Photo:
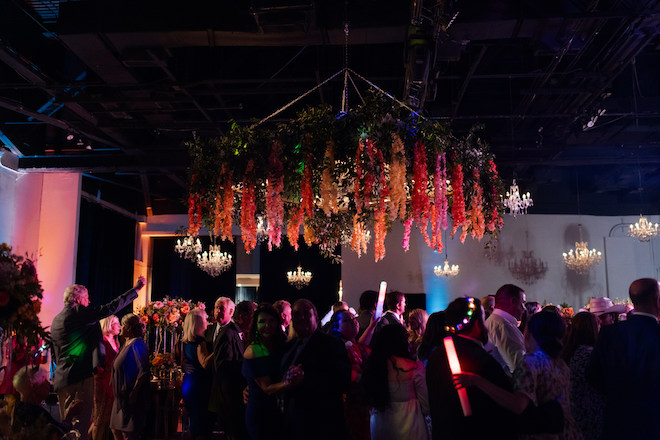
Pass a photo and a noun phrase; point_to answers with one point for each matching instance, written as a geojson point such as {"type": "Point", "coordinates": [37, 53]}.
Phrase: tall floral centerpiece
{"type": "Point", "coordinates": [165, 318]}
{"type": "Point", "coordinates": [20, 303]}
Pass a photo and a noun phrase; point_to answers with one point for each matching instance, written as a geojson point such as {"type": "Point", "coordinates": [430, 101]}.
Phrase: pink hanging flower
{"type": "Point", "coordinates": [248, 210]}
{"type": "Point", "coordinates": [421, 204]}
{"type": "Point", "coordinates": [274, 201]}
{"type": "Point", "coordinates": [406, 233]}
{"type": "Point", "coordinates": [458, 204]}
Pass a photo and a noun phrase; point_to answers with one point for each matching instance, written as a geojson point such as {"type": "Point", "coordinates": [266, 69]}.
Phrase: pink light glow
{"type": "Point", "coordinates": [455, 367]}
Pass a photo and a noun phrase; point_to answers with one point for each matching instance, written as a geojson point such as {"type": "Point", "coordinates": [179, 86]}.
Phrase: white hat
{"type": "Point", "coordinates": [599, 306]}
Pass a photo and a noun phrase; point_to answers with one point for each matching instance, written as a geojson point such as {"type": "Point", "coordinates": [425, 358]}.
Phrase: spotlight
{"type": "Point", "coordinates": [69, 137]}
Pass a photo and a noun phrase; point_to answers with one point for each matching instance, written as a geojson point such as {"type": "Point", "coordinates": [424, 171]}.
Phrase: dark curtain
{"type": "Point", "coordinates": [177, 277]}
{"type": "Point", "coordinates": [106, 246]}
{"type": "Point", "coordinates": [323, 288]}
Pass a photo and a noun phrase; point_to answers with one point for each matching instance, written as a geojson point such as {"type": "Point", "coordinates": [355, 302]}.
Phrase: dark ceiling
{"type": "Point", "coordinates": [113, 88]}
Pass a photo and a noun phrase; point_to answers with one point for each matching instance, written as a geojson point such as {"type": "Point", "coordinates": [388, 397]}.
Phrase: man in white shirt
{"type": "Point", "coordinates": [502, 325]}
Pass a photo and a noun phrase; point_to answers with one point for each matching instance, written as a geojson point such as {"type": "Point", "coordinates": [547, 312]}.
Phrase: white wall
{"type": "Point", "coordinates": [624, 260]}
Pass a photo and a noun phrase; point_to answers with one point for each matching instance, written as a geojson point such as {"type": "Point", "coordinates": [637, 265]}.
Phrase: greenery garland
{"type": "Point", "coordinates": [303, 143]}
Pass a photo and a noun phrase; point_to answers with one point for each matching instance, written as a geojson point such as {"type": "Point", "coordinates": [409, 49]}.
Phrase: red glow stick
{"type": "Point", "coordinates": [455, 367]}
{"type": "Point", "coordinates": [381, 299]}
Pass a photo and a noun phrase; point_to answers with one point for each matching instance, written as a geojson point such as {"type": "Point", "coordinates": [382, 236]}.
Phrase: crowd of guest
{"type": "Point", "coordinates": [273, 371]}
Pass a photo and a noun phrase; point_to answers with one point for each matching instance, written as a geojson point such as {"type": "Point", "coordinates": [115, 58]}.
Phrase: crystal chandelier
{"type": "Point", "coordinates": [527, 268]}
{"type": "Point", "coordinates": [189, 247]}
{"type": "Point", "coordinates": [582, 259]}
{"type": "Point", "coordinates": [446, 270]}
{"type": "Point", "coordinates": [643, 230]}
{"type": "Point", "coordinates": [299, 278]}
{"type": "Point", "coordinates": [515, 203]}
{"type": "Point", "coordinates": [214, 262]}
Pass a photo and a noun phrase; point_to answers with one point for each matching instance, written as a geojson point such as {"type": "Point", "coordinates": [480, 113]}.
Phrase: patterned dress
{"type": "Point", "coordinates": [543, 379]}
{"type": "Point", "coordinates": [587, 404]}
{"type": "Point", "coordinates": [103, 395]}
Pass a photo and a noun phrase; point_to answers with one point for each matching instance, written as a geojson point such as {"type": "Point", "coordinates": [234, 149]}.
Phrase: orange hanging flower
{"type": "Point", "coordinates": [358, 177]}
{"type": "Point", "coordinates": [421, 205]}
{"type": "Point", "coordinates": [358, 239]}
{"type": "Point", "coordinates": [293, 228]}
{"type": "Point", "coordinates": [329, 191]}
{"type": "Point", "coordinates": [476, 208]}
{"type": "Point", "coordinates": [397, 179]}
{"type": "Point", "coordinates": [380, 232]}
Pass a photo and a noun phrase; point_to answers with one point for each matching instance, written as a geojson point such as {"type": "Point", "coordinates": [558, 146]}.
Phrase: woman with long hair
{"type": "Point", "coordinates": [587, 404]}
{"type": "Point", "coordinates": [542, 376]}
{"type": "Point", "coordinates": [433, 335]}
{"type": "Point", "coordinates": [261, 362]}
{"type": "Point", "coordinates": [130, 382]}
{"type": "Point", "coordinates": [103, 396]}
{"type": "Point", "coordinates": [196, 387]}
{"type": "Point", "coordinates": [417, 319]}
{"type": "Point", "coordinates": [395, 386]}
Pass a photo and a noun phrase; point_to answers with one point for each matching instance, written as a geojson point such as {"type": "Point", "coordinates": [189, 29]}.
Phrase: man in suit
{"type": "Point", "coordinates": [624, 367]}
{"type": "Point", "coordinates": [313, 409]}
{"type": "Point", "coordinates": [465, 319]}
{"type": "Point", "coordinates": [227, 337]}
{"type": "Point", "coordinates": [76, 333]}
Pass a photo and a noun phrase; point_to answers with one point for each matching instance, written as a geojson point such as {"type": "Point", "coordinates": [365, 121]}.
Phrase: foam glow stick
{"type": "Point", "coordinates": [455, 367]}
{"type": "Point", "coordinates": [381, 299]}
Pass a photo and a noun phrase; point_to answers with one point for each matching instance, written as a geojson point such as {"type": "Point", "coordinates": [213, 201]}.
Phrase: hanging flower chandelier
{"type": "Point", "coordinates": [582, 259]}
{"type": "Point", "coordinates": [299, 279]}
{"type": "Point", "coordinates": [188, 248]}
{"type": "Point", "coordinates": [643, 230]}
{"type": "Point", "coordinates": [516, 204]}
{"type": "Point", "coordinates": [214, 262]}
{"type": "Point", "coordinates": [446, 270]}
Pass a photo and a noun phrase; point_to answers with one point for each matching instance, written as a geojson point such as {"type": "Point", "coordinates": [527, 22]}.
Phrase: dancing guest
{"type": "Point", "coordinates": [76, 333]}
{"type": "Point", "coordinates": [541, 377]}
{"type": "Point", "coordinates": [395, 387]}
{"type": "Point", "coordinates": [261, 363]}
{"type": "Point", "coordinates": [314, 408]}
{"type": "Point", "coordinates": [433, 335]}
{"type": "Point", "coordinates": [502, 325]}
{"type": "Point", "coordinates": [586, 403]}
{"type": "Point", "coordinates": [345, 327]}
{"type": "Point", "coordinates": [196, 387]}
{"type": "Point", "coordinates": [103, 397]}
{"type": "Point", "coordinates": [464, 321]}
{"type": "Point", "coordinates": [130, 382]}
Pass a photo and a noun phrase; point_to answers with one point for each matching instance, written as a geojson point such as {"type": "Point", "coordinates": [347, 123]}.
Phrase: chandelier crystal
{"type": "Point", "coordinates": [188, 248]}
{"type": "Point", "coordinates": [214, 262]}
{"type": "Point", "coordinates": [516, 204]}
{"type": "Point", "coordinates": [643, 230]}
{"type": "Point", "coordinates": [299, 279]}
{"type": "Point", "coordinates": [446, 270]}
{"type": "Point", "coordinates": [527, 268]}
{"type": "Point", "coordinates": [582, 259]}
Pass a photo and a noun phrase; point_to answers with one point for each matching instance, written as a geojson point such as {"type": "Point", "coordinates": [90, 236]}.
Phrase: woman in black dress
{"type": "Point", "coordinates": [196, 388]}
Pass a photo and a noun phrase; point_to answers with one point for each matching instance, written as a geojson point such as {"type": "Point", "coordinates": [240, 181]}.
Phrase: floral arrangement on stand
{"type": "Point", "coordinates": [165, 319]}
{"type": "Point", "coordinates": [163, 365]}
{"type": "Point", "coordinates": [340, 177]}
{"type": "Point", "coordinates": [20, 300]}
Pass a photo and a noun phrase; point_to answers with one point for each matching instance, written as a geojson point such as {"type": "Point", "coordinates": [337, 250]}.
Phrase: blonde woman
{"type": "Point", "coordinates": [416, 327]}
{"type": "Point", "coordinates": [103, 395]}
{"type": "Point", "coordinates": [197, 375]}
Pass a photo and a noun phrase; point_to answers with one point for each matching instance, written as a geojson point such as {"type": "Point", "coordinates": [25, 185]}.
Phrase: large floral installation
{"type": "Point", "coordinates": [338, 176]}
{"type": "Point", "coordinates": [20, 299]}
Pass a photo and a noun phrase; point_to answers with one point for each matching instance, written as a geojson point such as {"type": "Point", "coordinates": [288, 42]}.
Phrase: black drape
{"type": "Point", "coordinates": [177, 277]}
{"type": "Point", "coordinates": [106, 246]}
{"type": "Point", "coordinates": [323, 288]}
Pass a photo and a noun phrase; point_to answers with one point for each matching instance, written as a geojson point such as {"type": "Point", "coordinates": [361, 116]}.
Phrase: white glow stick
{"type": "Point", "coordinates": [381, 299]}
{"type": "Point", "coordinates": [455, 367]}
